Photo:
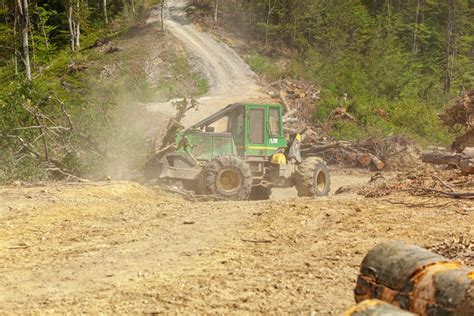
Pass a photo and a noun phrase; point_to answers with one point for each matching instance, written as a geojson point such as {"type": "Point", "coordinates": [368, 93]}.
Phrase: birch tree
{"type": "Point", "coordinates": [270, 7]}
{"type": "Point", "coordinates": [104, 10]}
{"type": "Point", "coordinates": [25, 22]}
{"type": "Point", "coordinates": [163, 4]}
{"type": "Point", "coordinates": [74, 22]}
{"type": "Point", "coordinates": [448, 40]}
{"type": "Point", "coordinates": [416, 28]}
{"type": "Point", "coordinates": [216, 9]}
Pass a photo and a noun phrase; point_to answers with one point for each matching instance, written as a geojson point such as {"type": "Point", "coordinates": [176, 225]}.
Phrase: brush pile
{"type": "Point", "coordinates": [298, 97]}
{"type": "Point", "coordinates": [394, 152]}
{"type": "Point", "coordinates": [300, 100]}
{"type": "Point", "coordinates": [439, 183]}
{"type": "Point", "coordinates": [461, 114]}
{"type": "Point", "coordinates": [460, 248]}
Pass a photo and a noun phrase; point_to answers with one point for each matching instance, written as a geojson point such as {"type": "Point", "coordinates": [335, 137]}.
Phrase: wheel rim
{"type": "Point", "coordinates": [320, 181]}
{"type": "Point", "coordinates": [229, 180]}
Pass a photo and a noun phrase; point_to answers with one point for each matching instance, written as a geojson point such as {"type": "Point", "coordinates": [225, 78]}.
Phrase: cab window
{"type": "Point", "coordinates": [256, 127]}
{"type": "Point", "coordinates": [274, 122]}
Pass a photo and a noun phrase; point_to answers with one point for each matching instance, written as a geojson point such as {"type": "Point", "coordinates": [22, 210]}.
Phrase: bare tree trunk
{"type": "Point", "coordinates": [15, 53]}
{"type": "Point", "coordinates": [106, 17]}
{"type": "Point", "coordinates": [78, 25]}
{"type": "Point", "coordinates": [449, 35]}
{"type": "Point", "coordinates": [23, 8]}
{"type": "Point", "coordinates": [269, 13]}
{"type": "Point", "coordinates": [163, 15]}
{"type": "Point", "coordinates": [70, 19]}
{"type": "Point", "coordinates": [415, 31]}
{"type": "Point", "coordinates": [216, 10]}
{"type": "Point", "coordinates": [74, 21]}
{"type": "Point", "coordinates": [133, 6]}
{"type": "Point", "coordinates": [32, 51]}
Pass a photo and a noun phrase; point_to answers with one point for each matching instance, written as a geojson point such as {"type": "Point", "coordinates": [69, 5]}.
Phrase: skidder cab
{"type": "Point", "coordinates": [241, 152]}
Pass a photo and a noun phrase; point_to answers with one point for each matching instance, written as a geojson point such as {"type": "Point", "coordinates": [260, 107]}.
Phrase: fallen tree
{"type": "Point", "coordinates": [463, 161]}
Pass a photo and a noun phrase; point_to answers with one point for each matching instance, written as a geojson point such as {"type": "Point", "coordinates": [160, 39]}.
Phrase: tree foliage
{"type": "Point", "coordinates": [395, 55]}
{"type": "Point", "coordinates": [44, 119]}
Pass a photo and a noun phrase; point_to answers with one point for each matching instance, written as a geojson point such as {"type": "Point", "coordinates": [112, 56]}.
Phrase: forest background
{"type": "Point", "coordinates": [393, 64]}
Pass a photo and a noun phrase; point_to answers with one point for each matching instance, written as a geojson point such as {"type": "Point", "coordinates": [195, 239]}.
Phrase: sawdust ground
{"type": "Point", "coordinates": [122, 248]}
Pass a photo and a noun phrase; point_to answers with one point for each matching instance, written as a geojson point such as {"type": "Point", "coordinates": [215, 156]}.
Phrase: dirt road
{"type": "Point", "coordinates": [230, 78]}
{"type": "Point", "coordinates": [123, 248]}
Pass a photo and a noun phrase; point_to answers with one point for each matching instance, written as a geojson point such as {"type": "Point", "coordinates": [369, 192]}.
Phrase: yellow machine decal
{"type": "Point", "coordinates": [279, 159]}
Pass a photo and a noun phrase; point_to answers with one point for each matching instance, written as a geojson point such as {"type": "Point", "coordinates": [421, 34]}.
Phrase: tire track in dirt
{"type": "Point", "coordinates": [62, 244]}
{"type": "Point", "coordinates": [120, 248]}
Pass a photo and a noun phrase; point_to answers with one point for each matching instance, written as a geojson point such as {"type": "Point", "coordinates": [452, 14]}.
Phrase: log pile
{"type": "Point", "coordinates": [464, 161]}
{"type": "Point", "coordinates": [341, 152]}
{"type": "Point", "coordinates": [416, 280]}
{"type": "Point", "coordinates": [394, 153]}
{"type": "Point", "coordinates": [440, 183]}
{"type": "Point", "coordinates": [300, 101]}
{"type": "Point", "coordinates": [461, 113]}
{"type": "Point", "coordinates": [298, 97]}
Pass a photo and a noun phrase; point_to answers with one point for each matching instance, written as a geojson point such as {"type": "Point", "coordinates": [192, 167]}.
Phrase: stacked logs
{"type": "Point", "coordinates": [416, 280]}
{"type": "Point", "coordinates": [298, 97]}
{"type": "Point", "coordinates": [342, 152]}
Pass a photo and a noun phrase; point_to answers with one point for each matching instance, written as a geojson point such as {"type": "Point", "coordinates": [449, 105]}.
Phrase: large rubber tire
{"type": "Point", "coordinates": [312, 178]}
{"type": "Point", "coordinates": [260, 193]}
{"type": "Point", "coordinates": [228, 177]}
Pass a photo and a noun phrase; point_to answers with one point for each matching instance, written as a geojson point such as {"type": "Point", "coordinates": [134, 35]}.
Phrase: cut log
{"type": "Point", "coordinates": [461, 113]}
{"type": "Point", "coordinates": [468, 152]}
{"type": "Point", "coordinates": [379, 164]}
{"type": "Point", "coordinates": [364, 160]}
{"type": "Point", "coordinates": [287, 120]}
{"type": "Point", "coordinates": [375, 308]}
{"type": "Point", "coordinates": [284, 102]}
{"type": "Point", "coordinates": [417, 280]}
{"type": "Point", "coordinates": [441, 158]}
{"type": "Point", "coordinates": [290, 113]}
{"type": "Point", "coordinates": [467, 166]}
{"type": "Point", "coordinates": [465, 160]}
{"type": "Point", "coordinates": [349, 156]}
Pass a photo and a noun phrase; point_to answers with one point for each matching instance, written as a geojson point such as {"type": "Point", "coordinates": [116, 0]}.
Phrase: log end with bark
{"type": "Point", "coordinates": [376, 308]}
{"type": "Point", "coordinates": [416, 280]}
